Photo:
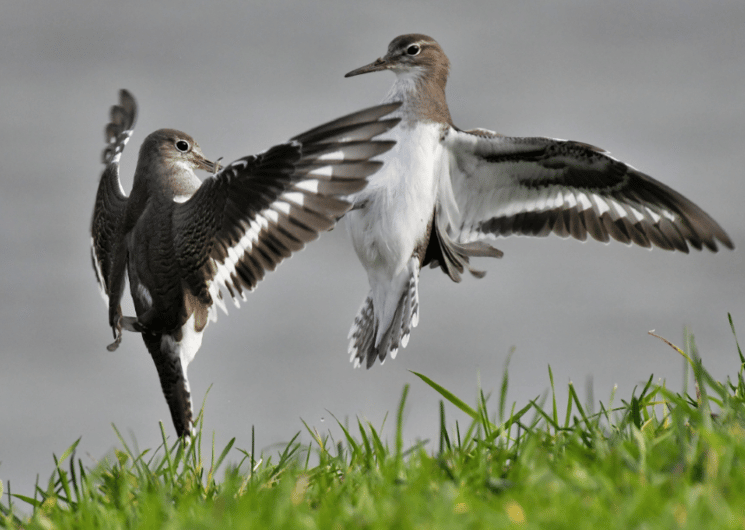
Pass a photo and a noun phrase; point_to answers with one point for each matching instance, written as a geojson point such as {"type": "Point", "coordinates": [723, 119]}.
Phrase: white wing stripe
{"type": "Point", "coordinates": [651, 213]}
{"type": "Point", "coordinates": [670, 215]}
{"type": "Point", "coordinates": [570, 199]}
{"type": "Point", "coordinates": [525, 200]}
{"type": "Point", "coordinates": [295, 197]}
{"type": "Point", "coordinates": [99, 274]}
{"type": "Point", "coordinates": [639, 216]}
{"type": "Point", "coordinates": [601, 204]}
{"type": "Point", "coordinates": [333, 155]}
{"type": "Point", "coordinates": [281, 206]}
{"type": "Point", "coordinates": [584, 201]}
{"type": "Point", "coordinates": [270, 217]}
{"type": "Point", "coordinates": [216, 298]}
{"type": "Point", "coordinates": [310, 185]}
{"type": "Point", "coordinates": [233, 255]}
{"type": "Point", "coordinates": [618, 209]}
{"type": "Point", "coordinates": [325, 171]}
{"type": "Point", "coordinates": [542, 199]}
{"type": "Point", "coordinates": [251, 236]}
{"type": "Point", "coordinates": [556, 202]}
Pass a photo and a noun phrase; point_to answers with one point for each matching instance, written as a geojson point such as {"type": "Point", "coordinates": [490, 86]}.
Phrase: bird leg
{"type": "Point", "coordinates": [130, 324]}
{"type": "Point", "coordinates": [117, 329]}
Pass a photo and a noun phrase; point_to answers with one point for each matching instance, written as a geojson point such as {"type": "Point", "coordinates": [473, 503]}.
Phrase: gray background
{"type": "Point", "coordinates": [658, 84]}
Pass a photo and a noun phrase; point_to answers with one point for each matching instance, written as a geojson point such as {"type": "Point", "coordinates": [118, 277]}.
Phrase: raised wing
{"type": "Point", "coordinates": [110, 198]}
{"type": "Point", "coordinates": [538, 186]}
{"type": "Point", "coordinates": [260, 209]}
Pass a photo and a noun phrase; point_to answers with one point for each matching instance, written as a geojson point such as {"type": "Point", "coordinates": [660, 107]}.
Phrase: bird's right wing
{"type": "Point", "coordinates": [107, 252]}
{"type": "Point", "coordinates": [260, 209]}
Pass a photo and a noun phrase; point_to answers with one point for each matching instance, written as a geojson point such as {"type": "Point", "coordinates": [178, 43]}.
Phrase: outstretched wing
{"type": "Point", "coordinates": [538, 186]}
{"type": "Point", "coordinates": [110, 198]}
{"type": "Point", "coordinates": [260, 209]}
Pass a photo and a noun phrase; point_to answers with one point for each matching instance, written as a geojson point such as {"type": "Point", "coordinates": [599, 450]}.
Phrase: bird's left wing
{"type": "Point", "coordinates": [260, 209]}
{"type": "Point", "coordinates": [538, 186]}
{"type": "Point", "coordinates": [107, 246]}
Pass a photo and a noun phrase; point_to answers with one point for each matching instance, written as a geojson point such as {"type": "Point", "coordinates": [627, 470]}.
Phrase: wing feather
{"type": "Point", "coordinates": [110, 198]}
{"type": "Point", "coordinates": [537, 186]}
{"type": "Point", "coordinates": [259, 210]}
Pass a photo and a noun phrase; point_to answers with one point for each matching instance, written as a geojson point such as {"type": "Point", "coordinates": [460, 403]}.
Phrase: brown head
{"type": "Point", "coordinates": [419, 58]}
{"type": "Point", "coordinates": [166, 156]}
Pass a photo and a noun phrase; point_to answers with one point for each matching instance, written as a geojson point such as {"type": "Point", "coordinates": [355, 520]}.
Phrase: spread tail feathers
{"type": "Point", "coordinates": [362, 344]}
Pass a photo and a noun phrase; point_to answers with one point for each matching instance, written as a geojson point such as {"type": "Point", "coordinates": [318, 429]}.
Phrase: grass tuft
{"type": "Point", "coordinates": [657, 459]}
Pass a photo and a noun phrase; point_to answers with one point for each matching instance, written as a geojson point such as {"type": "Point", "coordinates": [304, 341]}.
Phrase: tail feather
{"type": "Point", "coordinates": [362, 346]}
{"type": "Point", "coordinates": [411, 317]}
{"type": "Point", "coordinates": [362, 333]}
{"type": "Point", "coordinates": [173, 380]}
{"type": "Point", "coordinates": [391, 339]}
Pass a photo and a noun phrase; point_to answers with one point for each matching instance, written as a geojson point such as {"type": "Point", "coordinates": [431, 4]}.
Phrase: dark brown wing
{"type": "Point", "coordinates": [110, 198]}
{"type": "Point", "coordinates": [260, 209]}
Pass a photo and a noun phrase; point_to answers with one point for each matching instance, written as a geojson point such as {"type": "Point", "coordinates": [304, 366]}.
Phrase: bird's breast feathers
{"type": "Point", "coordinates": [398, 203]}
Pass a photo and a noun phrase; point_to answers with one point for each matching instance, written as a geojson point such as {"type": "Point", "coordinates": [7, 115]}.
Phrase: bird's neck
{"type": "Point", "coordinates": [423, 95]}
{"type": "Point", "coordinates": [164, 179]}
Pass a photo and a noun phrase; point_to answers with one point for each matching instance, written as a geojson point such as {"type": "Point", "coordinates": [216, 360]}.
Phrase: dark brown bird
{"type": "Point", "coordinates": [182, 241]}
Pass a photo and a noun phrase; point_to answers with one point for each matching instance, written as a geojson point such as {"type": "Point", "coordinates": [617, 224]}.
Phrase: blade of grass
{"type": "Point", "coordinates": [400, 424]}
{"type": "Point", "coordinates": [452, 398]}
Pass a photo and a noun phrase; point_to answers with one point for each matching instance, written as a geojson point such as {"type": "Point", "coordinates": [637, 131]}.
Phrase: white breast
{"type": "Point", "coordinates": [398, 202]}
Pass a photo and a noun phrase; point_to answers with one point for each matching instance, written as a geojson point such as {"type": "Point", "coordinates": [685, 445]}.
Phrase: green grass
{"type": "Point", "coordinates": [658, 459]}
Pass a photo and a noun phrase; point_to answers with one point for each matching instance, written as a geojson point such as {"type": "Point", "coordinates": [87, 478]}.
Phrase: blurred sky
{"type": "Point", "coordinates": [659, 84]}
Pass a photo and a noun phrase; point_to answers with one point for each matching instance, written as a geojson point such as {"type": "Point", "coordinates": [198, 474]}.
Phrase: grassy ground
{"type": "Point", "coordinates": [658, 459]}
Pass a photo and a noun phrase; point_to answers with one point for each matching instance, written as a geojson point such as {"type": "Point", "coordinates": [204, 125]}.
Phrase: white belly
{"type": "Point", "coordinates": [398, 202]}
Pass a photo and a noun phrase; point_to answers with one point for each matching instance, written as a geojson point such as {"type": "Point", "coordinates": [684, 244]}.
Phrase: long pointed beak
{"type": "Point", "coordinates": [375, 66]}
{"type": "Point", "coordinates": [207, 165]}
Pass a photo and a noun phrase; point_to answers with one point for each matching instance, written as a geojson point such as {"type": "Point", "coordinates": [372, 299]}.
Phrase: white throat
{"type": "Point", "coordinates": [405, 87]}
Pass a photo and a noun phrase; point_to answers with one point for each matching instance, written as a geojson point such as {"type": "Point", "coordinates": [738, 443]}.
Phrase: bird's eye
{"type": "Point", "coordinates": [182, 145]}
{"type": "Point", "coordinates": [413, 49]}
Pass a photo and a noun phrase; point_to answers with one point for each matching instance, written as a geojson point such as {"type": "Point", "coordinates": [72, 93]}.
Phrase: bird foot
{"type": "Point", "coordinates": [128, 323]}
{"type": "Point", "coordinates": [114, 345]}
